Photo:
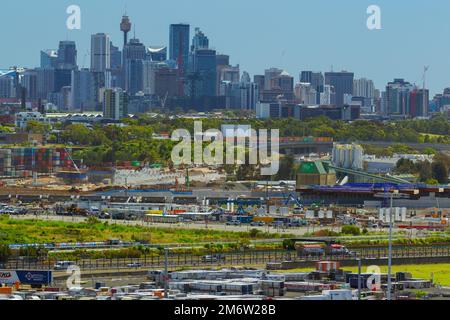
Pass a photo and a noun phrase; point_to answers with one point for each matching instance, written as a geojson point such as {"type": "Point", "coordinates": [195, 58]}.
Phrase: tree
{"type": "Point", "coordinates": [424, 169]}
{"type": "Point", "coordinates": [405, 166]}
{"type": "Point", "coordinates": [37, 127]}
{"type": "Point", "coordinates": [351, 230]}
{"type": "Point", "coordinates": [5, 253]}
{"type": "Point", "coordinates": [440, 172]}
{"type": "Point", "coordinates": [286, 171]}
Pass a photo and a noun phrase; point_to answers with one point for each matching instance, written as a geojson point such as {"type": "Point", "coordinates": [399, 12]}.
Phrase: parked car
{"type": "Point", "coordinates": [63, 265]}
{"type": "Point", "coordinates": [134, 265]}
{"type": "Point", "coordinates": [213, 258]}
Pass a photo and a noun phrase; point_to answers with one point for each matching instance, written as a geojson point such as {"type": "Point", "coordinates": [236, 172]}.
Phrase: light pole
{"type": "Point", "coordinates": [166, 272]}
{"type": "Point", "coordinates": [359, 278]}
{"type": "Point", "coordinates": [389, 297]}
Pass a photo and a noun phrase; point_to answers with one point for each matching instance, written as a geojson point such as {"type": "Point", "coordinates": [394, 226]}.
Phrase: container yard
{"type": "Point", "coordinates": [328, 282]}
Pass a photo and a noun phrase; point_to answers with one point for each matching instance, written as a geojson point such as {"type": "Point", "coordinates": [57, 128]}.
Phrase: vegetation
{"type": "Point", "coordinates": [38, 231]}
{"type": "Point", "coordinates": [399, 242]}
{"type": "Point", "coordinates": [435, 172]}
{"type": "Point", "coordinates": [135, 141]}
{"type": "Point", "coordinates": [5, 253]}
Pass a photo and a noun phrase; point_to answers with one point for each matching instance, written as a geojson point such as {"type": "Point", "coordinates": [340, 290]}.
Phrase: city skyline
{"type": "Point", "coordinates": [263, 50]}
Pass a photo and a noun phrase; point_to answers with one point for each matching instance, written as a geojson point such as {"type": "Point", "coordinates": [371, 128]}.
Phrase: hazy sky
{"type": "Point", "coordinates": [291, 34]}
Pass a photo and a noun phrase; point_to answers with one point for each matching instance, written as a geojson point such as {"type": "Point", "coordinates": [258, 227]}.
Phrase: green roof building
{"type": "Point", "coordinates": [315, 173]}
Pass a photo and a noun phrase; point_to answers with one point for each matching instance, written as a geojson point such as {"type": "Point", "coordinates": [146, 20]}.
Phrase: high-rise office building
{"type": "Point", "coordinates": [45, 82]}
{"type": "Point", "coordinates": [49, 58]}
{"type": "Point", "coordinates": [157, 53]}
{"type": "Point", "coordinates": [342, 83]}
{"type": "Point", "coordinates": [363, 88]}
{"type": "Point", "coordinates": [63, 78]}
{"type": "Point", "coordinates": [179, 45]}
{"type": "Point", "coordinates": [100, 52]}
{"type": "Point", "coordinates": [269, 75]}
{"type": "Point", "coordinates": [305, 94]}
{"type": "Point", "coordinates": [67, 55]}
{"type": "Point", "coordinates": [249, 93]}
{"type": "Point", "coordinates": [200, 41]}
{"type": "Point", "coordinates": [134, 53]}
{"type": "Point", "coordinates": [203, 66]}
{"type": "Point", "coordinates": [29, 83]}
{"type": "Point", "coordinates": [417, 107]}
{"type": "Point", "coordinates": [116, 57]}
{"type": "Point", "coordinates": [7, 86]}
{"type": "Point", "coordinates": [398, 97]}
{"type": "Point", "coordinates": [316, 80]}
{"type": "Point", "coordinates": [134, 76]}
{"type": "Point", "coordinates": [115, 104]}
{"type": "Point", "coordinates": [83, 94]}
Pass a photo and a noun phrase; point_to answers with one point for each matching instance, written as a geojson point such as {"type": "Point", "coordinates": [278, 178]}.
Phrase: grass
{"type": "Point", "coordinates": [38, 231]}
{"type": "Point", "coordinates": [441, 272]}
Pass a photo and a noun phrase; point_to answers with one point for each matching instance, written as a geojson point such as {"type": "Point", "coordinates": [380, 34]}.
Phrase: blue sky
{"type": "Point", "coordinates": [291, 34]}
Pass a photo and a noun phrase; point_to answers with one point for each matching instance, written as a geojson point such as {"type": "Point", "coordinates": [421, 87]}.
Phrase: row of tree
{"type": "Point", "coordinates": [435, 172]}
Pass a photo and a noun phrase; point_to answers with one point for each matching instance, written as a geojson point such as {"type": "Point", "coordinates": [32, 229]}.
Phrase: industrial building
{"type": "Point", "coordinates": [315, 173]}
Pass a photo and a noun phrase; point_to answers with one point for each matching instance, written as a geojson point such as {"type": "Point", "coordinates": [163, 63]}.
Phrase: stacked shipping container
{"type": "Point", "coordinates": [21, 162]}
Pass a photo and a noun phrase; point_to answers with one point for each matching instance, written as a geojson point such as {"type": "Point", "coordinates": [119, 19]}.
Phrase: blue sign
{"type": "Point", "coordinates": [31, 277]}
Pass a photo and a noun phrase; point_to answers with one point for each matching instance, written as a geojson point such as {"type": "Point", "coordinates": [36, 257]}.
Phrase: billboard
{"type": "Point", "coordinates": [31, 277]}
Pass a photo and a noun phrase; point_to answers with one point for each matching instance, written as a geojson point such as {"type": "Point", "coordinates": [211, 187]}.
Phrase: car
{"type": "Point", "coordinates": [257, 224]}
{"type": "Point", "coordinates": [134, 265]}
{"type": "Point", "coordinates": [63, 265]}
{"type": "Point", "coordinates": [213, 258]}
{"type": "Point", "coordinates": [233, 223]}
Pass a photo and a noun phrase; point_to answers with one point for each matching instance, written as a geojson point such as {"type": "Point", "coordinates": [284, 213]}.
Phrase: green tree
{"type": "Point", "coordinates": [351, 230]}
{"type": "Point", "coordinates": [440, 172]}
{"type": "Point", "coordinates": [5, 253]}
{"type": "Point", "coordinates": [424, 170]}
{"type": "Point", "coordinates": [286, 171]}
{"type": "Point", "coordinates": [37, 127]}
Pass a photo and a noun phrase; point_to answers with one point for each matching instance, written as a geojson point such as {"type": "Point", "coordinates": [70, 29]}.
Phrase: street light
{"type": "Point", "coordinates": [389, 296]}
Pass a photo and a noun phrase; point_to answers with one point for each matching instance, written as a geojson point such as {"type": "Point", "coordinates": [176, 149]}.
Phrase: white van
{"type": "Point", "coordinates": [63, 265]}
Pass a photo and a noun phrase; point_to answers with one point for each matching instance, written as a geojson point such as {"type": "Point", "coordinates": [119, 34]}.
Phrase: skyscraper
{"type": "Point", "coordinates": [417, 107]}
{"type": "Point", "coordinates": [67, 55]}
{"type": "Point", "coordinates": [316, 80]}
{"type": "Point", "coordinates": [134, 53]}
{"type": "Point", "coordinates": [200, 41]}
{"type": "Point", "coordinates": [157, 53]}
{"type": "Point", "coordinates": [398, 97]}
{"type": "Point", "coordinates": [100, 52]}
{"type": "Point", "coordinates": [83, 93]}
{"type": "Point", "coordinates": [342, 83]}
{"type": "Point", "coordinates": [6, 86]}
{"type": "Point", "coordinates": [179, 45]}
{"type": "Point", "coordinates": [363, 88]}
{"type": "Point", "coordinates": [203, 67]}
{"type": "Point", "coordinates": [29, 82]}
{"type": "Point", "coordinates": [115, 104]}
{"type": "Point", "coordinates": [45, 82]}
{"type": "Point", "coordinates": [116, 57]}
{"type": "Point", "coordinates": [269, 75]}
{"type": "Point", "coordinates": [49, 58]}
